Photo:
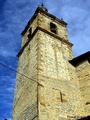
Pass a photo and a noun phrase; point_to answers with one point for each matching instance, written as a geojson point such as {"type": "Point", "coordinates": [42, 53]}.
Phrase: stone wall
{"type": "Point", "coordinates": [25, 101]}
{"type": "Point", "coordinates": [25, 36]}
{"type": "Point", "coordinates": [48, 87]}
{"type": "Point", "coordinates": [44, 21]}
{"type": "Point", "coordinates": [83, 73]}
{"type": "Point", "coordinates": [59, 94]}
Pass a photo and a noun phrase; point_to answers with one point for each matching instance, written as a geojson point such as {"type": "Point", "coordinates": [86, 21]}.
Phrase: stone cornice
{"type": "Point", "coordinates": [40, 10]}
{"type": "Point", "coordinates": [47, 32]}
{"type": "Point", "coordinates": [20, 52]}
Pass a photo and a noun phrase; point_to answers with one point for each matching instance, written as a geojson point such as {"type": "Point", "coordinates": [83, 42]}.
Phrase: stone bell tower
{"type": "Point", "coordinates": [46, 83]}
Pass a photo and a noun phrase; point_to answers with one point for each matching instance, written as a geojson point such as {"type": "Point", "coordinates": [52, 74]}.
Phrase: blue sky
{"type": "Point", "coordinates": [14, 15]}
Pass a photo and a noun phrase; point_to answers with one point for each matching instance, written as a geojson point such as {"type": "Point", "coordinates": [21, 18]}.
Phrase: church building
{"type": "Point", "coordinates": [51, 84]}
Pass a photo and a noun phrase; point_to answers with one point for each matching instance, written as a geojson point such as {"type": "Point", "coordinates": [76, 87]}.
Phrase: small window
{"type": "Point", "coordinates": [29, 32]}
{"type": "Point", "coordinates": [63, 97]}
{"type": "Point", "coordinates": [53, 28]}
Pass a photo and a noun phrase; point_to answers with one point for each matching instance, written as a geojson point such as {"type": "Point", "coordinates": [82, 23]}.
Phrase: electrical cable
{"type": "Point", "coordinates": [18, 72]}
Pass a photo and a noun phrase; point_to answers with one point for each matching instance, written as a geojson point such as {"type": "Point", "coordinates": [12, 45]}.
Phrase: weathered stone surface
{"type": "Point", "coordinates": [26, 89]}
{"type": "Point", "coordinates": [51, 88]}
{"type": "Point", "coordinates": [83, 73]}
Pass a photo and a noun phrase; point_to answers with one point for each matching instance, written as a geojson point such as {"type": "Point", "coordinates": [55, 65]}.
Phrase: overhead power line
{"type": "Point", "coordinates": [19, 73]}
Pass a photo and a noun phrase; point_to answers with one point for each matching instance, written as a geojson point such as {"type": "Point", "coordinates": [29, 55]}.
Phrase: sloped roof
{"type": "Point", "coordinates": [81, 58]}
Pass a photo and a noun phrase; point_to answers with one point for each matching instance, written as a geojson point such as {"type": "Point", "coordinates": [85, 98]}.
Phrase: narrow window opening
{"type": "Point", "coordinates": [63, 97]}
{"type": "Point", "coordinates": [29, 32]}
{"type": "Point", "coordinates": [53, 28]}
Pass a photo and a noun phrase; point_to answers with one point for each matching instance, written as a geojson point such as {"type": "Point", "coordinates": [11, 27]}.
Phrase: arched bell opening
{"type": "Point", "coordinates": [53, 28]}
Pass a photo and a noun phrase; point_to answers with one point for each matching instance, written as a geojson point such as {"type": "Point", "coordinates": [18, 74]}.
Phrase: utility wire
{"type": "Point", "coordinates": [18, 72]}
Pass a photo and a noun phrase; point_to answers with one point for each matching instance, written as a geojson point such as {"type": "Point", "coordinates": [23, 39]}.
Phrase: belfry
{"type": "Point", "coordinates": [52, 84]}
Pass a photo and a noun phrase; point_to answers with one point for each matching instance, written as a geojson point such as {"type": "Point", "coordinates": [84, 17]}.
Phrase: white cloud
{"type": "Point", "coordinates": [5, 53]}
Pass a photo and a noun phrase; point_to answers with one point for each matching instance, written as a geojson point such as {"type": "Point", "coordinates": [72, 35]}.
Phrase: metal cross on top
{"type": "Point", "coordinates": [42, 5]}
